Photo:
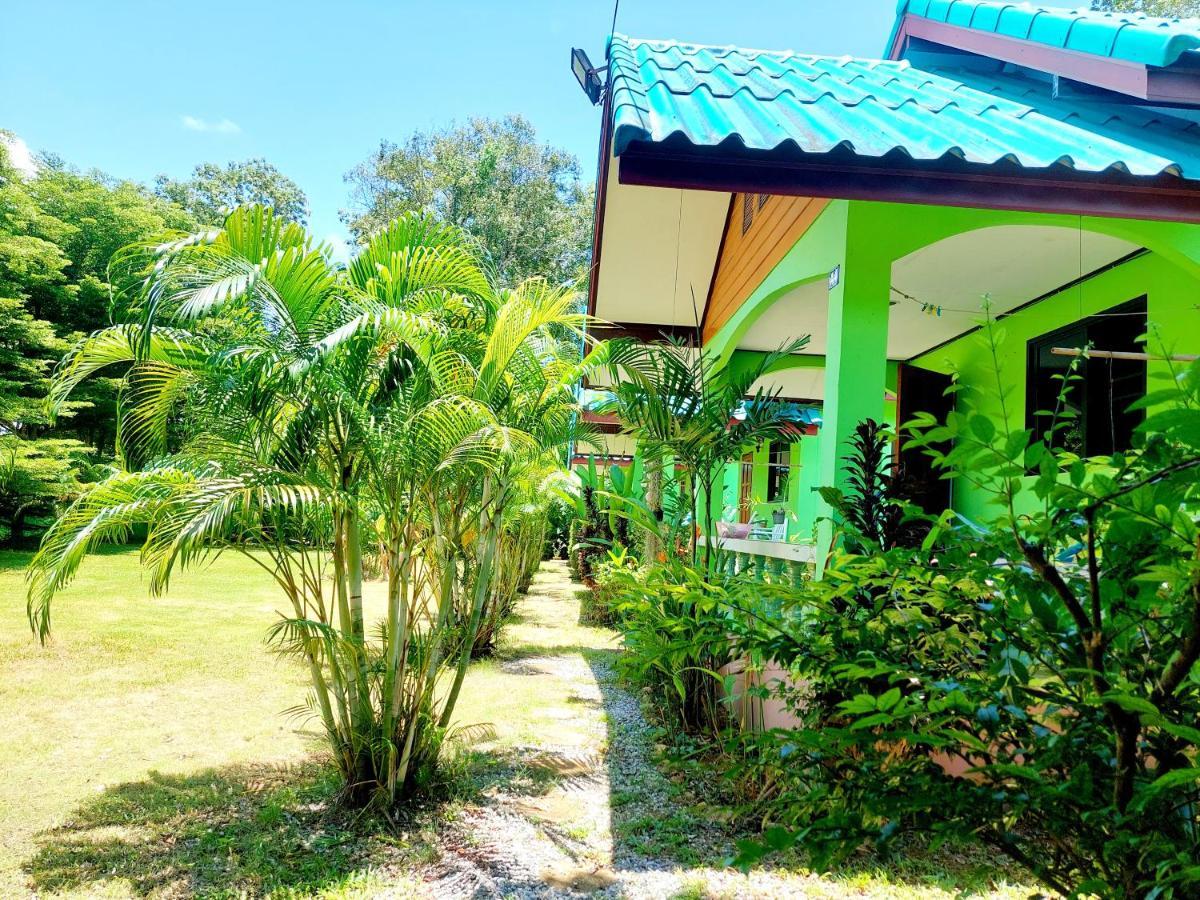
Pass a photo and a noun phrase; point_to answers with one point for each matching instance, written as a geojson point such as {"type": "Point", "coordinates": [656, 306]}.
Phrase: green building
{"type": "Point", "coordinates": [1038, 164]}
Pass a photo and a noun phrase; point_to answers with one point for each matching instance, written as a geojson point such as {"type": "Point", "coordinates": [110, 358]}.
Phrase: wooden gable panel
{"type": "Point", "coordinates": [760, 230]}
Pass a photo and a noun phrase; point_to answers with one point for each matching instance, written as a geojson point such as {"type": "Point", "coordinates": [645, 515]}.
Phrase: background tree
{"type": "Point", "coordinates": [213, 190]}
{"type": "Point", "coordinates": [36, 471]}
{"type": "Point", "coordinates": [1167, 8]}
{"type": "Point", "coordinates": [521, 199]}
{"type": "Point", "coordinates": [58, 230]}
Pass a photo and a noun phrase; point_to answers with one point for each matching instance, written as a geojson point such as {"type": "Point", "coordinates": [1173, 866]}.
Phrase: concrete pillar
{"type": "Point", "coordinates": [855, 354]}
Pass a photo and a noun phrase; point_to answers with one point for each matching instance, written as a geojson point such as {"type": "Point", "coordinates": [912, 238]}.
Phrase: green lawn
{"type": "Point", "coordinates": [144, 753]}
{"type": "Point", "coordinates": [132, 685]}
{"type": "Point", "coordinates": [144, 748]}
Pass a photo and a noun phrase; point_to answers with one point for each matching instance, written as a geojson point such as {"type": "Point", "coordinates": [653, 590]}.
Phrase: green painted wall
{"type": "Point", "coordinates": [864, 238]}
{"type": "Point", "coordinates": [1174, 320]}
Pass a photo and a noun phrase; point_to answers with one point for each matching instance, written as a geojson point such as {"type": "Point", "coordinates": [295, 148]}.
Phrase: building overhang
{"type": "Point", "coordinates": [919, 38]}
{"type": "Point", "coordinates": [899, 178]}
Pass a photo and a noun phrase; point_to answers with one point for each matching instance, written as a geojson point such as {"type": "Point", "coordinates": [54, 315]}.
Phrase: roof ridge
{"type": "Point", "coordinates": [1128, 36]}
{"type": "Point", "coordinates": [630, 41]}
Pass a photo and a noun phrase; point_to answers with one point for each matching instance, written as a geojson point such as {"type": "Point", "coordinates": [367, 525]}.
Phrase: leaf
{"type": "Point", "coordinates": [1130, 703]}
{"type": "Point", "coordinates": [984, 428]}
{"type": "Point", "coordinates": [879, 718]}
{"type": "Point", "coordinates": [1174, 779]}
{"type": "Point", "coordinates": [1043, 611]}
{"type": "Point", "coordinates": [889, 699]}
{"type": "Point", "coordinates": [1187, 732]}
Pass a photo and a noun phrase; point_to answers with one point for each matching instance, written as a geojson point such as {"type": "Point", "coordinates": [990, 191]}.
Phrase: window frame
{"type": "Point", "coordinates": [1066, 335]}
{"type": "Point", "coordinates": [778, 472]}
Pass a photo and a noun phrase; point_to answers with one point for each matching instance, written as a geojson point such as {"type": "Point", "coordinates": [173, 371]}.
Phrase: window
{"type": "Point", "coordinates": [762, 200]}
{"type": "Point", "coordinates": [778, 458]}
{"type": "Point", "coordinates": [1094, 416]}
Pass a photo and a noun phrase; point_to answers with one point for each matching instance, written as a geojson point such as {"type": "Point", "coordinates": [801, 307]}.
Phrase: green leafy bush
{"type": "Point", "coordinates": [675, 623]}
{"type": "Point", "coordinates": [600, 525]}
{"type": "Point", "coordinates": [598, 606]}
{"type": "Point", "coordinates": [1033, 686]}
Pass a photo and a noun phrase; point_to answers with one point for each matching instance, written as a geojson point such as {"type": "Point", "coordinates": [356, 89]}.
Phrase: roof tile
{"type": "Point", "coordinates": [768, 100]}
{"type": "Point", "coordinates": [1128, 36]}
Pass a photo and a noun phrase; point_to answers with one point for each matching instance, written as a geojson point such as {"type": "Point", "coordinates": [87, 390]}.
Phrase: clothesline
{"type": "Point", "coordinates": [1123, 354]}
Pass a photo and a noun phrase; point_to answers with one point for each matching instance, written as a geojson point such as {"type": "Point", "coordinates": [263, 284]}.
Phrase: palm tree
{"type": "Point", "coordinates": [678, 402]}
{"type": "Point", "coordinates": [277, 405]}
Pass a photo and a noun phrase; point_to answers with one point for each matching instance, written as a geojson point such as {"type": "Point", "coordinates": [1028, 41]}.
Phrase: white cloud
{"type": "Point", "coordinates": [224, 126]}
{"type": "Point", "coordinates": [18, 155]}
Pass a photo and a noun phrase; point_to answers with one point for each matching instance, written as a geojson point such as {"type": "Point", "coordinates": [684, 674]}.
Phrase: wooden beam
{"type": "Point", "coordinates": [1123, 354]}
{"type": "Point", "coordinates": [646, 332]}
{"type": "Point", "coordinates": [897, 178]}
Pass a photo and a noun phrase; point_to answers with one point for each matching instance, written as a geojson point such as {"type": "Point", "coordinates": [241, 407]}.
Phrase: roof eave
{"type": "Point", "coordinates": [1132, 79]}
{"type": "Point", "coordinates": [899, 178]}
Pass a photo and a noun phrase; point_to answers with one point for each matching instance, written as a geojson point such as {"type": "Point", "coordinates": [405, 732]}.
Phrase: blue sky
{"type": "Point", "coordinates": [142, 87]}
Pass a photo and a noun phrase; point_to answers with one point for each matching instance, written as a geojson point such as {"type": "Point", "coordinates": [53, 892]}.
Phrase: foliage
{"type": "Point", "coordinates": [278, 405]}
{"type": "Point", "coordinates": [560, 513]}
{"type": "Point", "coordinates": [88, 217]}
{"type": "Point", "coordinates": [600, 523]}
{"type": "Point", "coordinates": [522, 540]}
{"type": "Point", "coordinates": [675, 628]}
{"type": "Point", "coordinates": [873, 509]}
{"type": "Point", "coordinates": [1033, 685]}
{"type": "Point", "coordinates": [48, 268]}
{"type": "Point", "coordinates": [521, 199]}
{"type": "Point", "coordinates": [598, 606]}
{"type": "Point", "coordinates": [1166, 8]}
{"type": "Point", "coordinates": [213, 190]}
{"type": "Point", "coordinates": [681, 404]}
{"type": "Point", "coordinates": [36, 478]}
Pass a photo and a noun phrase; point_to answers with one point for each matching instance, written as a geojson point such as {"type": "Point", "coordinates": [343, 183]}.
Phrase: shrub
{"type": "Point", "coordinates": [1033, 685]}
{"type": "Point", "coordinates": [598, 605]}
{"type": "Point", "coordinates": [599, 523]}
{"type": "Point", "coordinates": [676, 634]}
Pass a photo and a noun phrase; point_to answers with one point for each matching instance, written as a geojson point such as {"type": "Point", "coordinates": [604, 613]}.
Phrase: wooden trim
{"type": "Point", "coordinates": [1114, 74]}
{"type": "Point", "coordinates": [747, 260]}
{"type": "Point", "coordinates": [1119, 75]}
{"type": "Point", "coordinates": [897, 178]}
{"type": "Point", "coordinates": [601, 199]}
{"type": "Point", "coordinates": [712, 279]}
{"type": "Point", "coordinates": [646, 332]}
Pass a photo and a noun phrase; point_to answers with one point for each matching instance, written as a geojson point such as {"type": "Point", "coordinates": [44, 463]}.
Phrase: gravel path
{"type": "Point", "coordinates": [553, 835]}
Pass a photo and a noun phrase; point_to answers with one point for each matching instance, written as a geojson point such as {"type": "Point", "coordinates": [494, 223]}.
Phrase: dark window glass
{"type": "Point", "coordinates": [777, 472]}
{"type": "Point", "coordinates": [1093, 415]}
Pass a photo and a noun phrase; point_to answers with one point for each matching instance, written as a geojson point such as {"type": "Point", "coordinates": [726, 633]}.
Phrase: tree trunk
{"type": "Point", "coordinates": [487, 542]}
{"type": "Point", "coordinates": [654, 492]}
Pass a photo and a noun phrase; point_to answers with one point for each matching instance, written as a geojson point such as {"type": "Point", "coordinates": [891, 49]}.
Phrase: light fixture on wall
{"type": "Point", "coordinates": [586, 74]}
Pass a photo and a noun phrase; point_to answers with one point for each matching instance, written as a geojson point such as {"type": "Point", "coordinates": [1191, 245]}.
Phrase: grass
{"type": "Point", "coordinates": [144, 750]}
{"type": "Point", "coordinates": [144, 753]}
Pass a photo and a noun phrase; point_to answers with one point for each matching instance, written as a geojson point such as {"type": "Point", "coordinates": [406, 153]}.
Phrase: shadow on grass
{"type": "Point", "coordinates": [258, 829]}
{"type": "Point", "coordinates": [236, 830]}
{"type": "Point", "coordinates": [19, 557]}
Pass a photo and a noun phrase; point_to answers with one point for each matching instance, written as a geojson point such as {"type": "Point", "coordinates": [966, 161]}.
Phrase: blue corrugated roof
{"type": "Point", "coordinates": [767, 100]}
{"type": "Point", "coordinates": [1132, 37]}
